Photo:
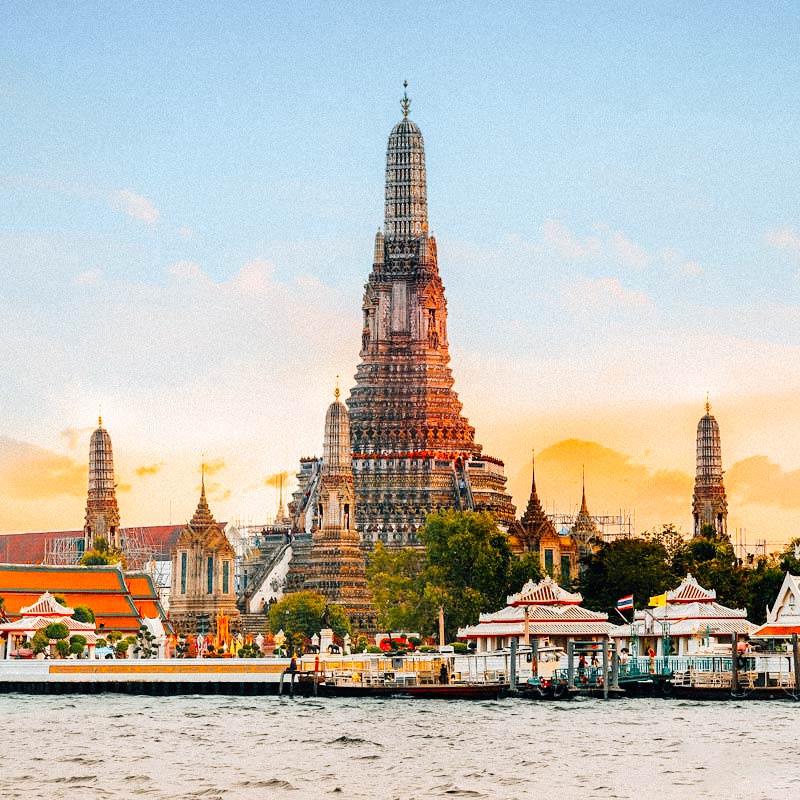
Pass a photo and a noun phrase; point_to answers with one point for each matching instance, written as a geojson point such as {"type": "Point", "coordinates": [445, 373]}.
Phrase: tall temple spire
{"type": "Point", "coordinates": [403, 403]}
{"type": "Point", "coordinates": [102, 511]}
{"type": "Point", "coordinates": [584, 508]}
{"type": "Point", "coordinates": [534, 521]}
{"type": "Point", "coordinates": [336, 563]}
{"type": "Point", "coordinates": [406, 212]}
{"type": "Point", "coordinates": [709, 501]}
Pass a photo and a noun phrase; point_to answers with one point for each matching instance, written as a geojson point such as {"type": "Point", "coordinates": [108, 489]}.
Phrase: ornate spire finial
{"type": "Point", "coordinates": [405, 103]}
{"type": "Point", "coordinates": [708, 405]}
{"type": "Point", "coordinates": [203, 474]}
{"type": "Point", "coordinates": [336, 390]}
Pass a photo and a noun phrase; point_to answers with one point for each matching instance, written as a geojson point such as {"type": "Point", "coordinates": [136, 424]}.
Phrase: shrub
{"type": "Point", "coordinates": [373, 648]}
{"type": "Point", "coordinates": [83, 614]}
{"type": "Point", "coordinates": [40, 642]}
{"type": "Point", "coordinates": [56, 630]}
{"type": "Point", "coordinates": [62, 647]}
{"type": "Point", "coordinates": [460, 647]}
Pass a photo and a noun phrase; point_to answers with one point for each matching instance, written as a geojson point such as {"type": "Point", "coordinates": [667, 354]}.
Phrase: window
{"type": "Point", "coordinates": [210, 589]}
{"type": "Point", "coordinates": [565, 569]}
{"type": "Point", "coordinates": [183, 573]}
{"type": "Point", "coordinates": [226, 565]}
{"type": "Point", "coordinates": [548, 561]}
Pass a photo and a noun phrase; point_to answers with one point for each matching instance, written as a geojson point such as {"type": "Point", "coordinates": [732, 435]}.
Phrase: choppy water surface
{"type": "Point", "coordinates": [117, 746]}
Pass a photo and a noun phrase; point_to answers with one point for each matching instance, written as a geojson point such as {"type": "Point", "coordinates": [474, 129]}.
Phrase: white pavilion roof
{"type": "Point", "coordinates": [546, 592]}
{"type": "Point", "coordinates": [47, 606]}
{"type": "Point", "coordinates": [783, 619]}
{"type": "Point", "coordinates": [550, 611]}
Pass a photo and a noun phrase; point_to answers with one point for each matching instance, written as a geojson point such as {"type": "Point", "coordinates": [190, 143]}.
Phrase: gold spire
{"type": "Point", "coordinates": [336, 390]}
{"type": "Point", "coordinates": [405, 103]}
{"type": "Point", "coordinates": [708, 405]}
{"type": "Point", "coordinates": [203, 518]}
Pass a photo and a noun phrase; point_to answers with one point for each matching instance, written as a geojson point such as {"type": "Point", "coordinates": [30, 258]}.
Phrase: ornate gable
{"type": "Point", "coordinates": [690, 591]}
{"type": "Point", "coordinates": [47, 606]}
{"type": "Point", "coordinates": [546, 592]}
{"type": "Point", "coordinates": [787, 604]}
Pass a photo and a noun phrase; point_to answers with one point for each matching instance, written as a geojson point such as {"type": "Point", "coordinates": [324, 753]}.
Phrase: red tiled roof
{"type": "Point", "coordinates": [103, 589]}
{"type": "Point", "coordinates": [774, 630]}
{"type": "Point", "coordinates": [30, 548]}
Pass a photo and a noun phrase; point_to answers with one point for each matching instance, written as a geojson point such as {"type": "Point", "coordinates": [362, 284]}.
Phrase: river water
{"type": "Point", "coordinates": [120, 746]}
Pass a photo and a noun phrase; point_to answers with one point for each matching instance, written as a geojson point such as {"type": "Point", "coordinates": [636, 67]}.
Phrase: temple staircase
{"type": "Point", "coordinates": [462, 488]}
{"type": "Point", "coordinates": [255, 624]}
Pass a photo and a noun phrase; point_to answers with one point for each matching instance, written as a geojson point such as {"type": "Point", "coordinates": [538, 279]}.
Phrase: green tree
{"type": "Point", "coordinates": [62, 648]}
{"type": "Point", "coordinates": [56, 630]}
{"type": "Point", "coordinates": [712, 561]}
{"type": "Point", "coordinates": [526, 567]}
{"type": "Point", "coordinates": [83, 614]}
{"type": "Point", "coordinates": [396, 581]}
{"type": "Point", "coordinates": [77, 643]}
{"type": "Point", "coordinates": [102, 553]}
{"type": "Point", "coordinates": [303, 613]}
{"type": "Point", "coordinates": [789, 558]}
{"type": "Point", "coordinates": [469, 566]}
{"type": "Point", "coordinates": [40, 641]}
{"type": "Point", "coordinates": [625, 566]}
{"type": "Point", "coordinates": [762, 584]}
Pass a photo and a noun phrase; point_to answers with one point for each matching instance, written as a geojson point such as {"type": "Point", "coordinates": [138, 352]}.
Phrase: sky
{"type": "Point", "coordinates": [189, 197]}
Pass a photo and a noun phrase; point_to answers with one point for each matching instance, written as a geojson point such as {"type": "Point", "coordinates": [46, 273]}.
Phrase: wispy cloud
{"type": "Point", "coordinates": [76, 436]}
{"type": "Point", "coordinates": [569, 246]}
{"type": "Point", "coordinates": [784, 238]}
{"type": "Point", "coordinates": [628, 253]}
{"type": "Point", "coordinates": [134, 205]}
{"type": "Point", "coordinates": [148, 469]}
{"type": "Point", "coordinates": [605, 292]}
{"type": "Point", "coordinates": [214, 466]}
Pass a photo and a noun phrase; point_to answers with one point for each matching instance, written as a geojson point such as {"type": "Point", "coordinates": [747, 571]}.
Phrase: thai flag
{"type": "Point", "coordinates": [625, 603]}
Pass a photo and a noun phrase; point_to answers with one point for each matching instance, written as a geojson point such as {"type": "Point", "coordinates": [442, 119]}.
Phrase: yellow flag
{"type": "Point", "coordinates": [658, 600]}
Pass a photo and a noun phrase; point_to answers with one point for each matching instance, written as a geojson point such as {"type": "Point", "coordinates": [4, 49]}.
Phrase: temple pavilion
{"type": "Point", "coordinates": [544, 611]}
{"type": "Point", "coordinates": [38, 616]}
{"type": "Point", "coordinates": [203, 573]}
{"type": "Point", "coordinates": [783, 619]}
{"type": "Point", "coordinates": [692, 620]}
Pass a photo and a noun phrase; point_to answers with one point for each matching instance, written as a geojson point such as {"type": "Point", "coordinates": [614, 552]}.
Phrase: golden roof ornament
{"type": "Point", "coordinates": [336, 390]}
{"type": "Point", "coordinates": [405, 103]}
{"type": "Point", "coordinates": [708, 405]}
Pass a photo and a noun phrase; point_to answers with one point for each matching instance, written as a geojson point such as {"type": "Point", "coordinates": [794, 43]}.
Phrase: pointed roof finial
{"type": "Point", "coordinates": [203, 474]}
{"type": "Point", "coordinates": [584, 507]}
{"type": "Point", "coordinates": [405, 103]}
{"type": "Point", "coordinates": [336, 390]}
{"type": "Point", "coordinates": [708, 405]}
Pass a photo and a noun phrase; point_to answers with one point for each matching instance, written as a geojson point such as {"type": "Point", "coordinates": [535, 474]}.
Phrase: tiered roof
{"type": "Point", "coordinates": [45, 611]}
{"type": "Point", "coordinates": [535, 522]}
{"type": "Point", "coordinates": [104, 589]}
{"type": "Point", "coordinates": [691, 609]}
{"type": "Point", "coordinates": [545, 593]}
{"type": "Point", "coordinates": [551, 611]}
{"type": "Point", "coordinates": [783, 619]}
